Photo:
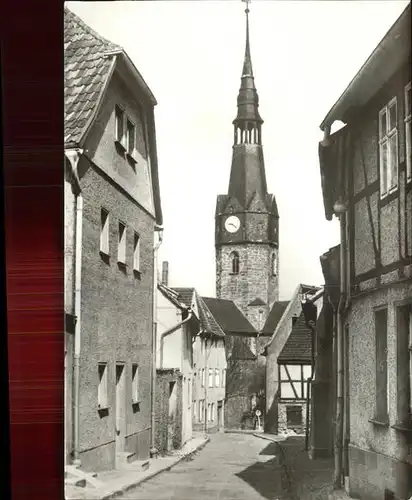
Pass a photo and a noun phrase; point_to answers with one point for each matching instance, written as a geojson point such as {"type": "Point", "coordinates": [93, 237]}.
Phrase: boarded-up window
{"type": "Point", "coordinates": [135, 383]}
{"type": "Point", "coordinates": [381, 345]}
{"type": "Point", "coordinates": [404, 365]}
{"type": "Point", "coordinates": [102, 393]}
{"type": "Point", "coordinates": [294, 416]}
{"type": "Point", "coordinates": [121, 249]}
{"type": "Point", "coordinates": [104, 231]}
{"type": "Point", "coordinates": [119, 130]}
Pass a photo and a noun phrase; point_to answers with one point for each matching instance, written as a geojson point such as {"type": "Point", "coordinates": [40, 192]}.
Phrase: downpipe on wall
{"type": "Point", "coordinates": [73, 156]}
{"type": "Point", "coordinates": [77, 331]}
{"type": "Point", "coordinates": [346, 427]}
{"type": "Point", "coordinates": [340, 209]}
{"type": "Point", "coordinates": [153, 451]}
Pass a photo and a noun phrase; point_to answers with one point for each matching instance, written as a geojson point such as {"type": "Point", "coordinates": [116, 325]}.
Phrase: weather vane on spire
{"type": "Point", "coordinates": [247, 2]}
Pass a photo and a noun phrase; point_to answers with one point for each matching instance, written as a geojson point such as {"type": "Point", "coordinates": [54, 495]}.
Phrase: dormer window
{"type": "Point", "coordinates": [235, 262]}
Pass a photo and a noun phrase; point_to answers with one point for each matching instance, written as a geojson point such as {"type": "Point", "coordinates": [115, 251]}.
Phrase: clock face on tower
{"type": "Point", "coordinates": [232, 224]}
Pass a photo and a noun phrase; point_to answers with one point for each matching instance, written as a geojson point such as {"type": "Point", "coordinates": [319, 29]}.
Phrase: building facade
{"type": "Point", "coordinates": [294, 374]}
{"type": "Point", "coordinates": [177, 328]}
{"type": "Point", "coordinates": [111, 146]}
{"type": "Point", "coordinates": [367, 180]}
{"type": "Point", "coordinates": [278, 328]}
{"type": "Point", "coordinates": [209, 366]}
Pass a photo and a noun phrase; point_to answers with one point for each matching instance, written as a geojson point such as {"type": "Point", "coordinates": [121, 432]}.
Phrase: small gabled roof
{"type": "Point", "coordinates": [274, 316]}
{"type": "Point", "coordinates": [185, 295]}
{"type": "Point", "coordinates": [229, 316]}
{"type": "Point", "coordinates": [280, 310]}
{"type": "Point", "coordinates": [257, 302]}
{"type": "Point", "coordinates": [89, 62]}
{"type": "Point", "coordinates": [298, 347]}
{"type": "Point", "coordinates": [208, 323]}
{"type": "Point", "coordinates": [173, 296]}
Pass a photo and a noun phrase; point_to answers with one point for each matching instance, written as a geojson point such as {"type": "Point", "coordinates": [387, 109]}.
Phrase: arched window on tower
{"type": "Point", "coordinates": [274, 265]}
{"type": "Point", "coordinates": [235, 262]}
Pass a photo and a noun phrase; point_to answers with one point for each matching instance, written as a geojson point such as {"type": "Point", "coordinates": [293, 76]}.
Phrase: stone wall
{"type": "Point", "coordinates": [162, 426]}
{"type": "Point", "coordinates": [254, 280]}
{"type": "Point", "coordinates": [283, 427]}
{"type": "Point", "coordinates": [245, 379]}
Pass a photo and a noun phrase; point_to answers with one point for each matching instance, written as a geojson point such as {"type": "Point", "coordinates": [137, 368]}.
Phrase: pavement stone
{"type": "Point", "coordinates": [232, 466]}
{"type": "Point", "coordinates": [241, 466]}
{"type": "Point", "coordinates": [117, 482]}
{"type": "Point", "coordinates": [339, 495]}
{"type": "Point", "coordinates": [307, 479]}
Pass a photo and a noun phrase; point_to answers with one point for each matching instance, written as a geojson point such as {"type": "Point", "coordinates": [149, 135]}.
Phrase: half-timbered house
{"type": "Point", "coordinates": [367, 183]}
{"type": "Point", "coordinates": [277, 330]}
{"type": "Point", "coordinates": [294, 370]}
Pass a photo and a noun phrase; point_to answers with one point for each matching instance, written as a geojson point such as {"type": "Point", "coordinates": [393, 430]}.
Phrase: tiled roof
{"type": "Point", "coordinates": [298, 347]}
{"type": "Point", "coordinates": [185, 295]}
{"type": "Point", "coordinates": [257, 302]}
{"type": "Point", "coordinates": [229, 316]}
{"type": "Point", "coordinates": [173, 296]}
{"type": "Point", "coordinates": [86, 70]}
{"type": "Point", "coordinates": [208, 322]}
{"type": "Point", "coordinates": [274, 316]}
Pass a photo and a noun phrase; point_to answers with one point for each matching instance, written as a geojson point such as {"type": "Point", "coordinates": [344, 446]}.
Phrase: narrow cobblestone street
{"type": "Point", "coordinates": [242, 467]}
{"type": "Point", "coordinates": [231, 466]}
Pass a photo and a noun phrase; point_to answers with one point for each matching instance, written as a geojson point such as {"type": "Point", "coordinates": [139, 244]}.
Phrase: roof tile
{"type": "Point", "coordinates": [298, 347]}
{"type": "Point", "coordinates": [86, 71]}
{"type": "Point", "coordinates": [274, 317]}
{"type": "Point", "coordinates": [208, 321]}
{"type": "Point", "coordinates": [229, 316]}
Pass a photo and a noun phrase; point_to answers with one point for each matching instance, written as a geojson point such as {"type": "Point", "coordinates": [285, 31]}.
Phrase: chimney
{"type": "Point", "coordinates": [165, 273]}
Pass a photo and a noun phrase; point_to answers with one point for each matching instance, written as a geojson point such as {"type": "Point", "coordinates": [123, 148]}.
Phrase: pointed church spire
{"type": "Point", "coordinates": [247, 64]}
{"type": "Point", "coordinates": [248, 121]}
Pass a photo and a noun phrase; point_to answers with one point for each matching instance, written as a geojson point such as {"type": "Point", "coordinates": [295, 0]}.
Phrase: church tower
{"type": "Point", "coordinates": [246, 219]}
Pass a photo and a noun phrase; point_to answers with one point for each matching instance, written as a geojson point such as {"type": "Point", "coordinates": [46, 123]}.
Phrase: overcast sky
{"type": "Point", "coordinates": [190, 53]}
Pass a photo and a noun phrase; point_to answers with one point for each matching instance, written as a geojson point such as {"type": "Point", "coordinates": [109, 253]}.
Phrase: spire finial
{"type": "Point", "coordinates": [247, 65]}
